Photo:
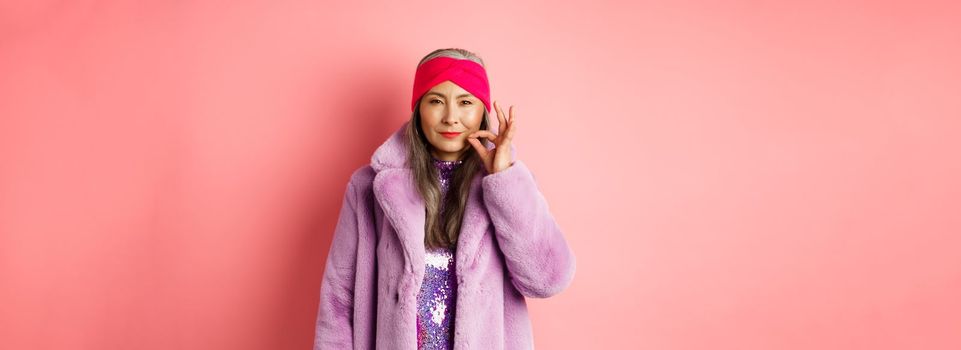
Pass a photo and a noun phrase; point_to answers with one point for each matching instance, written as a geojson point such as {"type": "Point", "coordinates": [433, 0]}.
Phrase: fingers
{"type": "Point", "coordinates": [510, 126]}
{"type": "Point", "coordinates": [501, 118]}
{"type": "Point", "coordinates": [510, 132]}
{"type": "Point", "coordinates": [483, 133]}
{"type": "Point", "coordinates": [479, 147]}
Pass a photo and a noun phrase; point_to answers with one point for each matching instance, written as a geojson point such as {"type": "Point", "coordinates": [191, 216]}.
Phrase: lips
{"type": "Point", "coordinates": [450, 135]}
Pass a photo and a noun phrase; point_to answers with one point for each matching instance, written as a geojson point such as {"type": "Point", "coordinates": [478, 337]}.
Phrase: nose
{"type": "Point", "coordinates": [451, 116]}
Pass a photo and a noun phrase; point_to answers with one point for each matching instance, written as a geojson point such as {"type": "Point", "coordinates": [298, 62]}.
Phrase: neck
{"type": "Point", "coordinates": [447, 157]}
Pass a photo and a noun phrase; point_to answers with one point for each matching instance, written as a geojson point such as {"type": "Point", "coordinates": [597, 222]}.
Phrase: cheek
{"type": "Point", "coordinates": [476, 122]}
{"type": "Point", "coordinates": [475, 119]}
{"type": "Point", "coordinates": [428, 118]}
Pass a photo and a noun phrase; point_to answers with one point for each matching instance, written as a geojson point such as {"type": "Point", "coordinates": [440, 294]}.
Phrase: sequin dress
{"type": "Point", "coordinates": [436, 301]}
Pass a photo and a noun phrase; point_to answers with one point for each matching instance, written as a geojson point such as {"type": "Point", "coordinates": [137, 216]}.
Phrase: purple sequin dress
{"type": "Point", "coordinates": [437, 299]}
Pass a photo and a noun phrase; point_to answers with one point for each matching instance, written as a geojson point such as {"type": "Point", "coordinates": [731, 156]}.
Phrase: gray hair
{"type": "Point", "coordinates": [452, 53]}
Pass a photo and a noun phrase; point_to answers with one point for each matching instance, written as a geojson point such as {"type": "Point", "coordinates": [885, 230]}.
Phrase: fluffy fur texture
{"type": "Point", "coordinates": [509, 248]}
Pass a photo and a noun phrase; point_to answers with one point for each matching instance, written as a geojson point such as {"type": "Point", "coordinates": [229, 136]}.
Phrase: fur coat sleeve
{"type": "Point", "coordinates": [538, 259]}
{"type": "Point", "coordinates": [334, 328]}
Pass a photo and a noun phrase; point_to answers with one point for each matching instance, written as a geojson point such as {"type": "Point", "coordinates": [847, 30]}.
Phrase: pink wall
{"type": "Point", "coordinates": [731, 175]}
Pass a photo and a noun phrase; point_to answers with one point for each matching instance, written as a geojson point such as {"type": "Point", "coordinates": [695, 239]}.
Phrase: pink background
{"type": "Point", "coordinates": [730, 175]}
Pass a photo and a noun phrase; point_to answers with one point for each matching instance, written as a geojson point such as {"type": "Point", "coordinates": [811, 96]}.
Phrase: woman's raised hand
{"type": "Point", "coordinates": [501, 157]}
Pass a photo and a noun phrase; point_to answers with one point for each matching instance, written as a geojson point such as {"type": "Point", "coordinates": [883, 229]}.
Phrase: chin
{"type": "Point", "coordinates": [449, 145]}
{"type": "Point", "coordinates": [451, 149]}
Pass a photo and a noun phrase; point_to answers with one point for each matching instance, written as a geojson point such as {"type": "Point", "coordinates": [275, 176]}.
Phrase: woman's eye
{"type": "Point", "coordinates": [468, 102]}
{"type": "Point", "coordinates": [434, 100]}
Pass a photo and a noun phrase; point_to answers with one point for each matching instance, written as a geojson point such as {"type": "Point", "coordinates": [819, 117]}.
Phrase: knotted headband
{"type": "Point", "coordinates": [467, 74]}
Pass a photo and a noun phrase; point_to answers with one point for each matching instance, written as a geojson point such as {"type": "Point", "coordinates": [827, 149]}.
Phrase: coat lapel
{"type": "Point", "coordinates": [405, 210]}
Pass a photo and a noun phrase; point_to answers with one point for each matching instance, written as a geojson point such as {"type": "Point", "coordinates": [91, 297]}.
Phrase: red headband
{"type": "Point", "coordinates": [467, 74]}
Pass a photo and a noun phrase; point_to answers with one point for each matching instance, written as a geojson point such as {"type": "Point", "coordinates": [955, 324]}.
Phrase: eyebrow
{"type": "Point", "coordinates": [439, 94]}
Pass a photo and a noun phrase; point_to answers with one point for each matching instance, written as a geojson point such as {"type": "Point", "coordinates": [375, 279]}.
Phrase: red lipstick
{"type": "Point", "coordinates": [450, 135]}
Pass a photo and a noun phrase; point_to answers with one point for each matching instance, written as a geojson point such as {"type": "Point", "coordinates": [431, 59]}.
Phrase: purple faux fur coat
{"type": "Point", "coordinates": [509, 248]}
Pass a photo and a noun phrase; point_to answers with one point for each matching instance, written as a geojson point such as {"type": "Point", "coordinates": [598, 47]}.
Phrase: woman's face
{"type": "Point", "coordinates": [449, 108]}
